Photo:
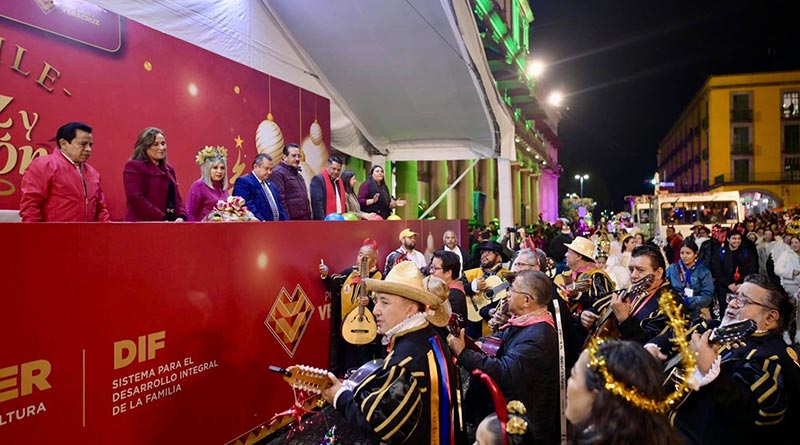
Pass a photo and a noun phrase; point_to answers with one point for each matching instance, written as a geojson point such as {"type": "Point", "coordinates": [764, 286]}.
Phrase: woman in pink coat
{"type": "Point", "coordinates": [212, 185]}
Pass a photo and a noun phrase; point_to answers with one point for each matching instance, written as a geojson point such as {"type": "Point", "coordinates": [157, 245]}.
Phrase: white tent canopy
{"type": "Point", "coordinates": [407, 79]}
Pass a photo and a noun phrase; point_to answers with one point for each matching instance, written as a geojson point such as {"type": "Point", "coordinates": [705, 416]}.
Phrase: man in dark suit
{"type": "Point", "coordinates": [259, 193]}
{"type": "Point", "coordinates": [327, 191]}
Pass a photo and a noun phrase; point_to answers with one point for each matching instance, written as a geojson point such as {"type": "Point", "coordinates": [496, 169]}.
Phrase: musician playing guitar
{"type": "Point", "coordinates": [637, 318]}
{"type": "Point", "coordinates": [345, 289]}
{"type": "Point", "coordinates": [526, 365]}
{"type": "Point", "coordinates": [582, 284]}
{"type": "Point", "coordinates": [411, 399]}
{"type": "Point", "coordinates": [751, 393]}
{"type": "Point", "coordinates": [492, 256]}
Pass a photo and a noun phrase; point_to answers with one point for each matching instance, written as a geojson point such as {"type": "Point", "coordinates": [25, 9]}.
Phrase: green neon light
{"type": "Point", "coordinates": [484, 5]}
{"type": "Point", "coordinates": [515, 21]}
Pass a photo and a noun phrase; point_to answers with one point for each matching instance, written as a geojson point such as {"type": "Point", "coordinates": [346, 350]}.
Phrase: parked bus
{"type": "Point", "coordinates": [653, 213]}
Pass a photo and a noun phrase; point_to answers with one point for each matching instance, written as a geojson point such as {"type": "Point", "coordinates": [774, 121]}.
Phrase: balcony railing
{"type": "Point", "coordinates": [784, 176]}
{"type": "Point", "coordinates": [742, 148]}
{"type": "Point", "coordinates": [741, 115]}
{"type": "Point", "coordinates": [790, 113]}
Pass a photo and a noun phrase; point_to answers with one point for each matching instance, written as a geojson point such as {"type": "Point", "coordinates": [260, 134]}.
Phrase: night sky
{"type": "Point", "coordinates": [628, 69]}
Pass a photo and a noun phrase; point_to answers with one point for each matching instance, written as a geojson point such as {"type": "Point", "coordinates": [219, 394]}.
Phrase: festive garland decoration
{"type": "Point", "coordinates": [672, 310]}
{"type": "Point", "coordinates": [209, 152]}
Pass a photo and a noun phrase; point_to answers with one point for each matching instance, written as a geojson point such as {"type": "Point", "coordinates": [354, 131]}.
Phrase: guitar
{"type": "Point", "coordinates": [606, 325]}
{"type": "Point", "coordinates": [489, 346]}
{"type": "Point", "coordinates": [315, 380]}
{"type": "Point", "coordinates": [734, 333]}
{"type": "Point", "coordinates": [359, 327]}
{"type": "Point", "coordinates": [564, 290]}
{"type": "Point", "coordinates": [495, 291]}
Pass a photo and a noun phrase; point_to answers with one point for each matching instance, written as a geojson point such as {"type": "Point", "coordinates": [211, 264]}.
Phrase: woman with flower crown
{"type": "Point", "coordinates": [212, 185]}
{"type": "Point", "coordinates": [615, 396]}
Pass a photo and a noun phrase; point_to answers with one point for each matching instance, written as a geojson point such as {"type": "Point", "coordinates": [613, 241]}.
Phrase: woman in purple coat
{"type": "Point", "coordinates": [151, 186]}
{"type": "Point", "coordinates": [212, 185]}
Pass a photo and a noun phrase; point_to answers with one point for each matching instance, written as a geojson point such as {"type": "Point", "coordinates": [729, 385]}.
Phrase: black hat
{"type": "Point", "coordinates": [493, 246]}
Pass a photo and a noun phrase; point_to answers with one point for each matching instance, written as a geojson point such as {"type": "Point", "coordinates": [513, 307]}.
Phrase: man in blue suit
{"type": "Point", "coordinates": [261, 195]}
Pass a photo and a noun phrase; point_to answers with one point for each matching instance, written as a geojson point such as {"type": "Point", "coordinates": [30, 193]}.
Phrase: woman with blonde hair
{"type": "Point", "coordinates": [212, 185]}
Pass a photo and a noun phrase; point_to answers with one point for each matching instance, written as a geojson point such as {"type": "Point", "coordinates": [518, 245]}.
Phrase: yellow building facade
{"type": "Point", "coordinates": [739, 132]}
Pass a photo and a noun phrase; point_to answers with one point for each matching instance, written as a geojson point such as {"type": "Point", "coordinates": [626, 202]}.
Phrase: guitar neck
{"type": "Point", "coordinates": [363, 270]}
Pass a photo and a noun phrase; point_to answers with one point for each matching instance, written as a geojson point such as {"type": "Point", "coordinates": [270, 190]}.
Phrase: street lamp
{"type": "Point", "coordinates": [581, 178]}
{"type": "Point", "coordinates": [535, 68]}
{"type": "Point", "coordinates": [555, 98]}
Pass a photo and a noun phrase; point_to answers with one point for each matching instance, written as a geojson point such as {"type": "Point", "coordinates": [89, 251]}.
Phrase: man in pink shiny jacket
{"type": "Point", "coordinates": [62, 186]}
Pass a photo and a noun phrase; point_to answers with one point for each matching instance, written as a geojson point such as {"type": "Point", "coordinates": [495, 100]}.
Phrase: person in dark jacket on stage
{"type": "Point", "coordinates": [151, 186]}
{"type": "Point", "coordinates": [290, 184]}
{"type": "Point", "coordinates": [328, 194]}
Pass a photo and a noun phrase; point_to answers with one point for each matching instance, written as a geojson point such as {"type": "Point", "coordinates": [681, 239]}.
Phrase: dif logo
{"type": "Point", "coordinates": [142, 349]}
{"type": "Point", "coordinates": [19, 380]}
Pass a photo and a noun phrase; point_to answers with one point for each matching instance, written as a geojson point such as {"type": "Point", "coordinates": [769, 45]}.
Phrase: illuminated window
{"type": "Point", "coordinates": [790, 108]}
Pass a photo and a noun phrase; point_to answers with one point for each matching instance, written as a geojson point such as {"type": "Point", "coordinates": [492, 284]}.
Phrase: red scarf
{"type": "Point", "coordinates": [456, 284]}
{"type": "Point", "coordinates": [330, 198]}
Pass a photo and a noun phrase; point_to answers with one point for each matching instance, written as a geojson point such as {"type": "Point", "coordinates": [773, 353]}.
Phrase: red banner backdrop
{"type": "Point", "coordinates": [72, 61]}
{"type": "Point", "coordinates": [136, 333]}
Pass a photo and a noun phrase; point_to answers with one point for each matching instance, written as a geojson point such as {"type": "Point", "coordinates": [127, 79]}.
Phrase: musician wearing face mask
{"type": "Point", "coordinates": [634, 315]}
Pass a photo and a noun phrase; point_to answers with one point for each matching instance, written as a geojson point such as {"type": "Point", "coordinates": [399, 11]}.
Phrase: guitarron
{"type": "Point", "coordinates": [359, 327]}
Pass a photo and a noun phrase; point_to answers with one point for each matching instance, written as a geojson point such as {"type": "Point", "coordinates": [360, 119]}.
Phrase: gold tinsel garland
{"type": "Point", "coordinates": [672, 310]}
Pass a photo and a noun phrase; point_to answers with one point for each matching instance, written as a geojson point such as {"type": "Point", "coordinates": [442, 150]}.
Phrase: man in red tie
{"type": "Point", "coordinates": [327, 190]}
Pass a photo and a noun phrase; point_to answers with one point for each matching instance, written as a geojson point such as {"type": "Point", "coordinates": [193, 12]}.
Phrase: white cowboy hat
{"type": "Point", "coordinates": [582, 246]}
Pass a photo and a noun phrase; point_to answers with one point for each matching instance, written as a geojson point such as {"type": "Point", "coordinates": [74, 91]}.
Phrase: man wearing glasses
{"type": "Point", "coordinates": [446, 266]}
{"type": "Point", "coordinates": [751, 393]}
{"type": "Point", "coordinates": [526, 364]}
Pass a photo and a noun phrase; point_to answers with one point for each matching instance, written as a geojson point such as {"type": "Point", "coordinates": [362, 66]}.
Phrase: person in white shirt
{"type": "Point", "coordinates": [451, 245]}
{"type": "Point", "coordinates": [406, 252]}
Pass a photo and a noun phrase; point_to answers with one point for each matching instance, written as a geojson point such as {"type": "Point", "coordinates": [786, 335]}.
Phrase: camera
{"type": "Point", "coordinates": [512, 229]}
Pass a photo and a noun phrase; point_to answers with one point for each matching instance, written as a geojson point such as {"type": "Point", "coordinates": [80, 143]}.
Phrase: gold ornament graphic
{"type": "Point", "coordinates": [269, 138]}
{"type": "Point", "coordinates": [316, 133]}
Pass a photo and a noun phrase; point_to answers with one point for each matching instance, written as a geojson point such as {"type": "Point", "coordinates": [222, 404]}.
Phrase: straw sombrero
{"type": "Point", "coordinates": [438, 315]}
{"type": "Point", "coordinates": [404, 280]}
{"type": "Point", "coordinates": [582, 246]}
